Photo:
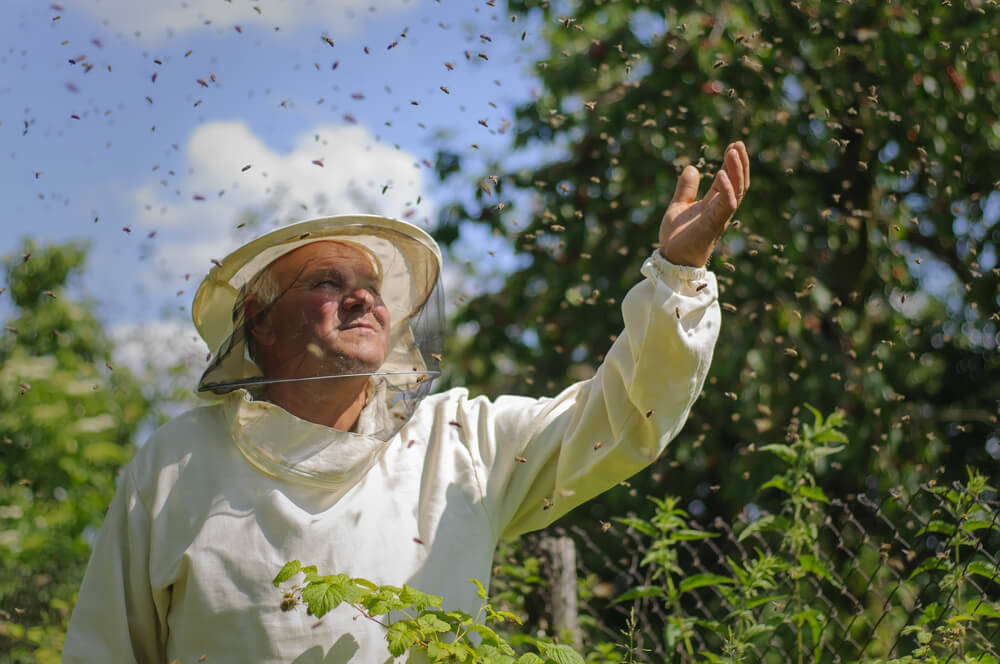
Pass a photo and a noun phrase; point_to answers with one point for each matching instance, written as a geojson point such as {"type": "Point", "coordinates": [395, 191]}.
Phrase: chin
{"type": "Point", "coordinates": [356, 360]}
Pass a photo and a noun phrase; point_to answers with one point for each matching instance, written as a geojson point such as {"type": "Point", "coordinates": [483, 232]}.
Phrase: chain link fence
{"type": "Point", "coordinates": [909, 574]}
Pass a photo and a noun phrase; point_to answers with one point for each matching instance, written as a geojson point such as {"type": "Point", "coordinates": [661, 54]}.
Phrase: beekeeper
{"type": "Point", "coordinates": [323, 442]}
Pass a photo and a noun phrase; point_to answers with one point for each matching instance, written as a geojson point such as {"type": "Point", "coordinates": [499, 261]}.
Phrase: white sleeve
{"type": "Point", "coordinates": [543, 457]}
{"type": "Point", "coordinates": [117, 617]}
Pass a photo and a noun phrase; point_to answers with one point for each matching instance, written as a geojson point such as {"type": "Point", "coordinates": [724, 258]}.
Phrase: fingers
{"type": "Point", "coordinates": [744, 162]}
{"type": "Point", "coordinates": [734, 170]}
{"type": "Point", "coordinates": [722, 200]}
{"type": "Point", "coordinates": [687, 186]}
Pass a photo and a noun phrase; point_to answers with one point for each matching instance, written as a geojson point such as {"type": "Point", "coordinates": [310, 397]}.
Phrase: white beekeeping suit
{"type": "Point", "coordinates": [418, 492]}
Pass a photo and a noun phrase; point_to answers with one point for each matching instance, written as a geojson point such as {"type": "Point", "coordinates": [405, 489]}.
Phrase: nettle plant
{"type": "Point", "coordinates": [950, 629]}
{"type": "Point", "coordinates": [422, 626]}
{"type": "Point", "coordinates": [754, 590]}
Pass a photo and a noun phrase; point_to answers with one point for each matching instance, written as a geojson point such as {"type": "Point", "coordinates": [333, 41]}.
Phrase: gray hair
{"type": "Point", "coordinates": [264, 288]}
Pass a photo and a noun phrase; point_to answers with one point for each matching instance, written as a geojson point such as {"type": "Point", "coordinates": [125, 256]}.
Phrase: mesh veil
{"type": "Point", "coordinates": [324, 309]}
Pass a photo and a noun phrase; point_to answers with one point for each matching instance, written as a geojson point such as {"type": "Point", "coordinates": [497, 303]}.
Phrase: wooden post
{"type": "Point", "coordinates": [562, 556]}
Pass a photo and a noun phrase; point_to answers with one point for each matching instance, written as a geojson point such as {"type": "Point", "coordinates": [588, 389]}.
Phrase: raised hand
{"type": "Point", "coordinates": [691, 228]}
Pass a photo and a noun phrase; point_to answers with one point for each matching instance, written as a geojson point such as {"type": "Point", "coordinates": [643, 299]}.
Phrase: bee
{"type": "Point", "coordinates": [520, 459]}
{"type": "Point", "coordinates": [547, 503]}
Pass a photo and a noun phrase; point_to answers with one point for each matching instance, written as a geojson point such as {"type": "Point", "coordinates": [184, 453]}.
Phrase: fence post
{"type": "Point", "coordinates": [562, 557]}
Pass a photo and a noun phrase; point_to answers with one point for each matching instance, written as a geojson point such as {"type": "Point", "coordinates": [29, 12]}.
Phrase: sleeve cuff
{"type": "Point", "coordinates": [658, 267]}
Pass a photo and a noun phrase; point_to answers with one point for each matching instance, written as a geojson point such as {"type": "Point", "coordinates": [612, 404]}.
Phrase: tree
{"type": "Point", "coordinates": [68, 419]}
{"type": "Point", "coordinates": [862, 275]}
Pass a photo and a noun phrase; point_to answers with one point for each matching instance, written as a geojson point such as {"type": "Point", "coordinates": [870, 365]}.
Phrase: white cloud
{"type": "Point", "coordinates": [358, 174]}
{"type": "Point", "coordinates": [167, 354]}
{"type": "Point", "coordinates": [153, 349]}
{"type": "Point", "coordinates": [155, 20]}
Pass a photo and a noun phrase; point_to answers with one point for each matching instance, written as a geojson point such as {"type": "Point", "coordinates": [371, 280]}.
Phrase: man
{"type": "Point", "coordinates": [325, 445]}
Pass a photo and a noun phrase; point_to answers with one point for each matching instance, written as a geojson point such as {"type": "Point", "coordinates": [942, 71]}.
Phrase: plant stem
{"type": "Point", "coordinates": [676, 603]}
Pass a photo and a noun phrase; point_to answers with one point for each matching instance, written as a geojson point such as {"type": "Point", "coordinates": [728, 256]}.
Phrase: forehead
{"type": "Point", "coordinates": [324, 256]}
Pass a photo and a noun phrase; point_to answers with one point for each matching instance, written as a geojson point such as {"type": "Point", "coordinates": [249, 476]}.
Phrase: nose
{"type": "Point", "coordinates": [358, 299]}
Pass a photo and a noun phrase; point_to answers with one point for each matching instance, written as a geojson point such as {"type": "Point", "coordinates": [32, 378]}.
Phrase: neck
{"type": "Point", "coordinates": [336, 403]}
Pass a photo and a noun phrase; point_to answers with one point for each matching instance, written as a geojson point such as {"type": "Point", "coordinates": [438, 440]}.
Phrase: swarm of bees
{"type": "Point", "coordinates": [798, 325]}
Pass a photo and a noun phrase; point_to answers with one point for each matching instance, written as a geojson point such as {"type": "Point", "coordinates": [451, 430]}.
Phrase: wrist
{"type": "Point", "coordinates": [683, 260]}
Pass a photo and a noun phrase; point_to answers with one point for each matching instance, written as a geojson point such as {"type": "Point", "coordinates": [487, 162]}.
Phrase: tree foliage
{"type": "Point", "coordinates": [67, 421]}
{"type": "Point", "coordinates": [862, 273]}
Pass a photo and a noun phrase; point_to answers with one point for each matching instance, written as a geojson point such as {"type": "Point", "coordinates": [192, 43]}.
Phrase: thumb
{"type": "Point", "coordinates": [687, 186]}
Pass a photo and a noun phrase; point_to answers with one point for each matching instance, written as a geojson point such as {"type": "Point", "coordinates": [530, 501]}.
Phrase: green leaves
{"type": "Point", "coordinates": [443, 636]}
{"type": "Point", "coordinates": [288, 571]}
{"type": "Point", "coordinates": [327, 593]}
{"type": "Point", "coordinates": [559, 654]}
{"type": "Point", "coordinates": [784, 452]}
{"type": "Point", "coordinates": [702, 580]}
{"type": "Point", "coordinates": [400, 638]}
{"type": "Point", "coordinates": [431, 623]}
{"type": "Point", "coordinates": [69, 418]}
{"type": "Point", "coordinates": [640, 592]}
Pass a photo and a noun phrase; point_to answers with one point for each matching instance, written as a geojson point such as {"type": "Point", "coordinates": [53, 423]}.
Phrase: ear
{"type": "Point", "coordinates": [259, 321]}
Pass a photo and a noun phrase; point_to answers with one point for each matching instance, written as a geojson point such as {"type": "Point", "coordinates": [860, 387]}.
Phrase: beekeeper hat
{"type": "Point", "coordinates": [409, 263]}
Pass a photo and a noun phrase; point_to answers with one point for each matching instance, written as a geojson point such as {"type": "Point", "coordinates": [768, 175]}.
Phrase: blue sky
{"type": "Point", "coordinates": [143, 115]}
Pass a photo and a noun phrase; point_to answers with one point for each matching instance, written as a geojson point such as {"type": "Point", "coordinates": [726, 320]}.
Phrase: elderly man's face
{"type": "Point", "coordinates": [329, 317]}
